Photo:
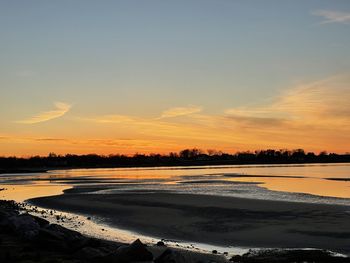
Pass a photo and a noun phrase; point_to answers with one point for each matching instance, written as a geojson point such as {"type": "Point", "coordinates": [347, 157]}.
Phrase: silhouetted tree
{"type": "Point", "coordinates": [185, 157]}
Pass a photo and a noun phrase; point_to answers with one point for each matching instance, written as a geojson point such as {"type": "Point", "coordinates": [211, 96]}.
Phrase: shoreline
{"type": "Point", "coordinates": [217, 222]}
{"type": "Point", "coordinates": [45, 240]}
{"type": "Point", "coordinates": [221, 221]}
{"type": "Point", "coordinates": [176, 166]}
{"type": "Point", "coordinates": [26, 237]}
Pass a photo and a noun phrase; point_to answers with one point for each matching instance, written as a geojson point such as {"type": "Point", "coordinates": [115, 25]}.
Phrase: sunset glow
{"type": "Point", "coordinates": [95, 80]}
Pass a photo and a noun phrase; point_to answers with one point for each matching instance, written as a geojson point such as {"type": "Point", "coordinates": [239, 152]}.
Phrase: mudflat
{"type": "Point", "coordinates": [218, 220]}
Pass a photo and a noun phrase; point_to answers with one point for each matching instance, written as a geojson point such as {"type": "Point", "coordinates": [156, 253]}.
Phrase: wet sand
{"type": "Point", "coordinates": [28, 238]}
{"type": "Point", "coordinates": [224, 221]}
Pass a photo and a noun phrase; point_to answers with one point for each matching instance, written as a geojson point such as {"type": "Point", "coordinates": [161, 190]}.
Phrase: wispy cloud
{"type": "Point", "coordinates": [61, 108]}
{"type": "Point", "coordinates": [315, 116]}
{"type": "Point", "coordinates": [49, 139]}
{"type": "Point", "coordinates": [180, 111]}
{"type": "Point", "coordinates": [114, 118]}
{"type": "Point", "coordinates": [333, 16]}
{"type": "Point", "coordinates": [321, 104]}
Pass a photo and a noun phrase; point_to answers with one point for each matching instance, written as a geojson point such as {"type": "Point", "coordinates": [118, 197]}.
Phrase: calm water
{"type": "Point", "coordinates": [316, 183]}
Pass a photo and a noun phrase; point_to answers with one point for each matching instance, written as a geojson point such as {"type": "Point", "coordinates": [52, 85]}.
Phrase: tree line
{"type": "Point", "coordinates": [185, 157]}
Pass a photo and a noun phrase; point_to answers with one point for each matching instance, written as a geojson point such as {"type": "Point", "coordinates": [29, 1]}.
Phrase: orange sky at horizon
{"type": "Point", "coordinates": [314, 117]}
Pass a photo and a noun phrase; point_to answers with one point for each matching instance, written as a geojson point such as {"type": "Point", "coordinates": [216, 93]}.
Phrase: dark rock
{"type": "Point", "coordinates": [160, 244]}
{"type": "Point", "coordinates": [50, 240]}
{"type": "Point", "coordinates": [42, 222]}
{"type": "Point", "coordinates": [287, 256]}
{"type": "Point", "coordinates": [94, 242]}
{"type": "Point", "coordinates": [7, 214]}
{"type": "Point", "coordinates": [214, 251]}
{"type": "Point", "coordinates": [9, 206]}
{"type": "Point", "coordinates": [136, 251]}
{"type": "Point", "coordinates": [25, 226]}
{"type": "Point", "coordinates": [88, 218]}
{"type": "Point", "coordinates": [5, 221]}
{"type": "Point", "coordinates": [236, 258]}
{"type": "Point", "coordinates": [170, 256]}
{"type": "Point", "coordinates": [55, 236]}
{"type": "Point", "coordinates": [90, 253]}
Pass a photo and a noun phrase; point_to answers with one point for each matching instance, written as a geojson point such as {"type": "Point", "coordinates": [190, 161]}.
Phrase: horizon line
{"type": "Point", "coordinates": [202, 152]}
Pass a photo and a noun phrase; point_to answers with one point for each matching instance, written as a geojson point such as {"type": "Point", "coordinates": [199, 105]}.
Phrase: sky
{"type": "Point", "coordinates": [155, 76]}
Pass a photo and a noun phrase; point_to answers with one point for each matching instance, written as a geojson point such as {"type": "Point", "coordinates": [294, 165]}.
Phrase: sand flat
{"type": "Point", "coordinates": [225, 221]}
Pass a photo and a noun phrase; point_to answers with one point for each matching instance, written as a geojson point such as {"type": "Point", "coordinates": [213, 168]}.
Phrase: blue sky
{"type": "Point", "coordinates": [141, 58]}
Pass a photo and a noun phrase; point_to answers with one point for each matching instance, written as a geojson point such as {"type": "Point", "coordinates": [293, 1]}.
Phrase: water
{"type": "Point", "coordinates": [314, 183]}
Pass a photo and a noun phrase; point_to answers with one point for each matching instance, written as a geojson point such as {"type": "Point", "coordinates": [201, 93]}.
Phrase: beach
{"type": "Point", "coordinates": [246, 213]}
{"type": "Point", "coordinates": [217, 220]}
{"type": "Point", "coordinates": [28, 238]}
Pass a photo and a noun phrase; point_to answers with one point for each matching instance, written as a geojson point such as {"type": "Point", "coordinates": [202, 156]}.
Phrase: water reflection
{"type": "Point", "coordinates": [22, 192]}
{"type": "Point", "coordinates": [250, 181]}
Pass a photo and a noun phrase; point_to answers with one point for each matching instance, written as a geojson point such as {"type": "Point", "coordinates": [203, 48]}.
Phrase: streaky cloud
{"type": "Point", "coordinates": [91, 142]}
{"type": "Point", "coordinates": [61, 109]}
{"type": "Point", "coordinates": [333, 16]}
{"type": "Point", "coordinates": [114, 118]}
{"type": "Point", "coordinates": [50, 139]}
{"type": "Point", "coordinates": [317, 104]}
{"type": "Point", "coordinates": [314, 116]}
{"type": "Point", "coordinates": [180, 111]}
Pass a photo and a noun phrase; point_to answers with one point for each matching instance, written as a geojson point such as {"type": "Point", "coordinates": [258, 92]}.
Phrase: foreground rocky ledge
{"type": "Point", "coordinates": [27, 238]}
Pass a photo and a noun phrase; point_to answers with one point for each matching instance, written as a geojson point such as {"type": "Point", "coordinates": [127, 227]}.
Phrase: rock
{"type": "Point", "coordinates": [214, 251]}
{"type": "Point", "coordinates": [136, 251]}
{"type": "Point", "coordinates": [54, 236]}
{"type": "Point", "coordinates": [50, 240]}
{"type": "Point", "coordinates": [9, 206]}
{"type": "Point", "coordinates": [42, 222]}
{"type": "Point", "coordinates": [93, 242]}
{"type": "Point", "coordinates": [88, 253]}
{"type": "Point", "coordinates": [293, 255]}
{"type": "Point", "coordinates": [160, 244]}
{"type": "Point", "coordinates": [88, 218]}
{"type": "Point", "coordinates": [170, 256]}
{"type": "Point", "coordinates": [25, 226]}
{"type": "Point", "coordinates": [236, 258]}
{"type": "Point", "coordinates": [5, 221]}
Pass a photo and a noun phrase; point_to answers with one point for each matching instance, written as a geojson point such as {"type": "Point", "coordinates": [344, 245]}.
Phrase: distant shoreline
{"type": "Point", "coordinates": [13, 171]}
{"type": "Point", "coordinates": [46, 169]}
{"type": "Point", "coordinates": [187, 157]}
